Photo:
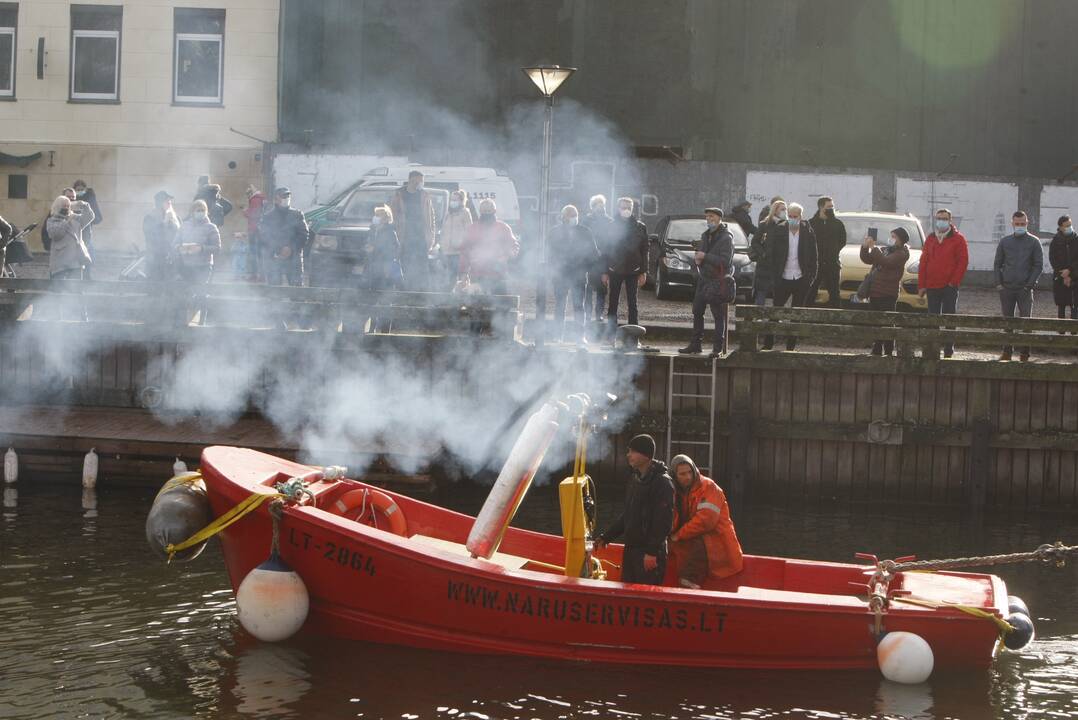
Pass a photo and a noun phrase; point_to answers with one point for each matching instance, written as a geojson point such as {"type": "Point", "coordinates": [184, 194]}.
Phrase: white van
{"type": "Point", "coordinates": [480, 183]}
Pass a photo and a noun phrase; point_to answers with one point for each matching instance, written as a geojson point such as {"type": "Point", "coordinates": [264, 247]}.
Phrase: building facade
{"type": "Point", "coordinates": [132, 98]}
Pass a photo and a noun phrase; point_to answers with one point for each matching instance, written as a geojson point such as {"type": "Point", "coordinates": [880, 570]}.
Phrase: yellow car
{"type": "Point", "coordinates": [854, 271]}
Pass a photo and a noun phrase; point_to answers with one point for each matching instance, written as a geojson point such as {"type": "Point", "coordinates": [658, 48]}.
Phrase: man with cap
{"type": "Point", "coordinates": [704, 544]}
{"type": "Point", "coordinates": [715, 286]}
{"type": "Point", "coordinates": [159, 228]}
{"type": "Point", "coordinates": [647, 518]}
{"type": "Point", "coordinates": [283, 234]}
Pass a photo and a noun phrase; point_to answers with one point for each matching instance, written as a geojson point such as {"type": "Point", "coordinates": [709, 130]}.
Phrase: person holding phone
{"type": "Point", "coordinates": [888, 263]}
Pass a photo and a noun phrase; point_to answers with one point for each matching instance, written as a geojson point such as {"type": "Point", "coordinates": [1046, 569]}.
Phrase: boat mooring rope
{"type": "Point", "coordinates": [1055, 553]}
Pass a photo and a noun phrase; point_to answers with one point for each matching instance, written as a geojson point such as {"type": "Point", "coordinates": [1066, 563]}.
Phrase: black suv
{"type": "Point", "coordinates": [670, 256]}
{"type": "Point", "coordinates": [338, 257]}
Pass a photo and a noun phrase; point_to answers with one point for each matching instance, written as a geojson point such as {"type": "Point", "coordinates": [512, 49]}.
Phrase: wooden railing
{"type": "Point", "coordinates": [911, 332]}
{"type": "Point", "coordinates": [177, 304]}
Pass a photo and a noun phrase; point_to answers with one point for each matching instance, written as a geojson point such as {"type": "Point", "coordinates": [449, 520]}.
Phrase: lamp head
{"type": "Point", "coordinates": [548, 78]}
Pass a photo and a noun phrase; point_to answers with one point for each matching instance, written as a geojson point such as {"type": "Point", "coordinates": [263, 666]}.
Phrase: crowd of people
{"type": "Point", "coordinates": [591, 259]}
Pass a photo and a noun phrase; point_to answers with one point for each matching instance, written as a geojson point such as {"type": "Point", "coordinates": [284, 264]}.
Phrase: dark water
{"type": "Point", "coordinates": [92, 626]}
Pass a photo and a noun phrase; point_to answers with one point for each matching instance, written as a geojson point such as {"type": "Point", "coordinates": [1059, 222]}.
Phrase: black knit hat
{"type": "Point", "coordinates": [902, 235]}
{"type": "Point", "coordinates": [643, 444]}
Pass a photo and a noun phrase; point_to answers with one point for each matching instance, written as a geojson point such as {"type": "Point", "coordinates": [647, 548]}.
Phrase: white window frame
{"type": "Point", "coordinates": [10, 92]}
{"type": "Point", "coordinates": [113, 34]}
{"type": "Point", "coordinates": [194, 99]}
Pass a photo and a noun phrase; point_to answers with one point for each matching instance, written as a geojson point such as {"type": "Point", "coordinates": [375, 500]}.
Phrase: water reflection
{"type": "Point", "coordinates": [269, 680]}
{"type": "Point", "coordinates": [11, 498]}
{"type": "Point", "coordinates": [89, 502]}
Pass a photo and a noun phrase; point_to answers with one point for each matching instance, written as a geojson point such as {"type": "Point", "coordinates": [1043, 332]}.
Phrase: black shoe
{"type": "Point", "coordinates": [1024, 357]}
{"type": "Point", "coordinates": [877, 350]}
{"type": "Point", "coordinates": [948, 353]}
{"type": "Point", "coordinates": [691, 350]}
{"type": "Point", "coordinates": [715, 354]}
{"type": "Point", "coordinates": [1006, 356]}
{"type": "Point", "coordinates": [790, 347]}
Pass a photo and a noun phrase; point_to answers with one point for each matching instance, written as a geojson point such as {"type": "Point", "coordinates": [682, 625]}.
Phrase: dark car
{"type": "Point", "coordinates": [670, 256]}
{"type": "Point", "coordinates": [338, 257]}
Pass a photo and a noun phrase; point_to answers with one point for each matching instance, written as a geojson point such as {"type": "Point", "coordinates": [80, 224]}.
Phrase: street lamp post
{"type": "Point", "coordinates": [547, 78]}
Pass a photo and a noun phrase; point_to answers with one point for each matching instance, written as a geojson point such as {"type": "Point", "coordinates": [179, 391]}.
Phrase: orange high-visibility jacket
{"type": "Point", "coordinates": [702, 511]}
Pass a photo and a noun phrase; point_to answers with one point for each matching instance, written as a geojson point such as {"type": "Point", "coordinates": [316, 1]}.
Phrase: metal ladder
{"type": "Point", "coordinates": [704, 462]}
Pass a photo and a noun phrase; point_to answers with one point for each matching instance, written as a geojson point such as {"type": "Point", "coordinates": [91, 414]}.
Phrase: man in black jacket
{"type": "Point", "coordinates": [714, 256]}
{"type": "Point", "coordinates": [627, 263]}
{"type": "Point", "coordinates": [740, 215]}
{"type": "Point", "coordinates": [572, 253]}
{"type": "Point", "coordinates": [793, 264]}
{"type": "Point", "coordinates": [599, 224]}
{"type": "Point", "coordinates": [648, 516]}
{"type": "Point", "coordinates": [283, 231]}
{"type": "Point", "coordinates": [830, 239]}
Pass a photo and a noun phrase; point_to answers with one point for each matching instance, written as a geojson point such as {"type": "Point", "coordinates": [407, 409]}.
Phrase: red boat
{"type": "Point", "coordinates": [416, 583]}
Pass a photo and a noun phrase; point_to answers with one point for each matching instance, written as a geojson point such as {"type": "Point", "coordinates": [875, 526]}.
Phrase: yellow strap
{"type": "Point", "coordinates": [186, 478]}
{"type": "Point", "coordinates": [1002, 625]}
{"type": "Point", "coordinates": [246, 506]}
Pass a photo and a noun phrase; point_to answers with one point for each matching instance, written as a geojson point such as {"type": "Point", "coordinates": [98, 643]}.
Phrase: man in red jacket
{"type": "Point", "coordinates": [943, 264]}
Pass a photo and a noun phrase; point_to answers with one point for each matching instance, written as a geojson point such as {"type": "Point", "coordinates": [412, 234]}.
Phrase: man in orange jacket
{"type": "Point", "coordinates": [703, 542]}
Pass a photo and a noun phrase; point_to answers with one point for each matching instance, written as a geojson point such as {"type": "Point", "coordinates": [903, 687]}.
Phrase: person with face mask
{"type": "Point", "coordinates": [626, 264]}
{"type": "Point", "coordinates": [572, 252]}
{"type": "Point", "coordinates": [68, 255]}
{"type": "Point", "coordinates": [283, 233]}
{"type": "Point", "coordinates": [1063, 256]}
{"type": "Point", "coordinates": [888, 263]}
{"type": "Point", "coordinates": [196, 243]}
{"type": "Point", "coordinates": [159, 228]}
{"type": "Point", "coordinates": [489, 245]}
{"type": "Point", "coordinates": [454, 230]}
{"type": "Point", "coordinates": [943, 264]}
{"type": "Point", "coordinates": [793, 264]}
{"type": "Point", "coordinates": [714, 256]}
{"type": "Point", "coordinates": [1018, 265]}
{"type": "Point", "coordinates": [830, 235]}
{"type": "Point", "coordinates": [599, 224]}
{"type": "Point", "coordinates": [763, 282]}
{"type": "Point", "coordinates": [413, 213]}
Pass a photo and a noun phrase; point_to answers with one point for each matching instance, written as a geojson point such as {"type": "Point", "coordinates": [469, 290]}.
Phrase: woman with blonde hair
{"type": "Point", "coordinates": [759, 252]}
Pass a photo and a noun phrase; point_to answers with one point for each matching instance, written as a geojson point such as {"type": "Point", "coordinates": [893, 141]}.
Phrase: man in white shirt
{"type": "Point", "coordinates": [793, 265]}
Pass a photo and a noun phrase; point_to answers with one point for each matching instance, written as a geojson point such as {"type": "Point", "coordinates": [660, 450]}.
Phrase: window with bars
{"type": "Point", "coordinates": [198, 58]}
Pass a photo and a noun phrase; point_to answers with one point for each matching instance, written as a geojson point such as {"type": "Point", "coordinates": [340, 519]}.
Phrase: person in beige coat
{"type": "Point", "coordinates": [454, 230]}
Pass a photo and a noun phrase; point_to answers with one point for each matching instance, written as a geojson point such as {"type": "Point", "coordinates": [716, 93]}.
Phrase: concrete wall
{"type": "Point", "coordinates": [899, 85]}
{"type": "Point", "coordinates": [128, 150]}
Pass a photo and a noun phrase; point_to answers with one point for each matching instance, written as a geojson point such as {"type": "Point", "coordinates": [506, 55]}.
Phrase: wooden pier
{"type": "Point", "coordinates": [814, 426]}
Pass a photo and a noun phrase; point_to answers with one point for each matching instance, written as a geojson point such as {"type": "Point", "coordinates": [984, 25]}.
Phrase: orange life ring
{"type": "Point", "coordinates": [360, 505]}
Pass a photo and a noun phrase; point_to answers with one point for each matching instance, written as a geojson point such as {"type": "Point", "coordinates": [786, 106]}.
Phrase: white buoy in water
{"type": "Point", "coordinates": [89, 469]}
{"type": "Point", "coordinates": [179, 467]}
{"type": "Point", "coordinates": [11, 466]}
{"type": "Point", "coordinates": [905, 658]}
{"type": "Point", "coordinates": [272, 601]}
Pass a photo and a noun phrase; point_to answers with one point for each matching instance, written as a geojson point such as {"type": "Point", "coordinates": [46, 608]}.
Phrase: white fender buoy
{"type": "Point", "coordinates": [905, 658]}
{"type": "Point", "coordinates": [11, 466]}
{"type": "Point", "coordinates": [179, 467]}
{"type": "Point", "coordinates": [89, 469]}
{"type": "Point", "coordinates": [272, 601]}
